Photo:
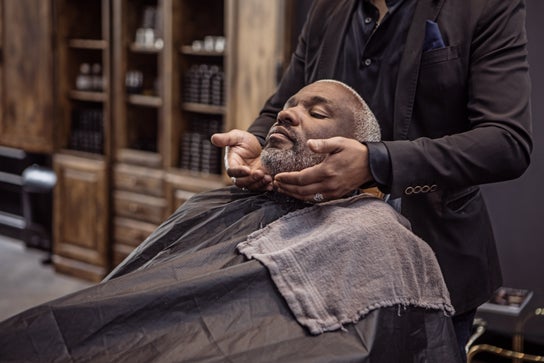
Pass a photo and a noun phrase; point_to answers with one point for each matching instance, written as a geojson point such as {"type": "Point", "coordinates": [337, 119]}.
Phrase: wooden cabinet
{"type": "Point", "coordinates": [129, 234]}
{"type": "Point", "coordinates": [123, 95]}
{"type": "Point", "coordinates": [183, 70]}
{"type": "Point", "coordinates": [143, 82]}
{"type": "Point", "coordinates": [138, 200]}
{"type": "Point", "coordinates": [83, 118]}
{"type": "Point", "coordinates": [181, 185]}
{"type": "Point", "coordinates": [26, 76]}
{"type": "Point", "coordinates": [81, 215]}
{"type": "Point", "coordinates": [143, 86]}
{"type": "Point", "coordinates": [83, 95]}
{"type": "Point", "coordinates": [202, 62]}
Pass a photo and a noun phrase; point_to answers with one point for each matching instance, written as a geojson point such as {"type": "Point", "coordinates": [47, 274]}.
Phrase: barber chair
{"type": "Point", "coordinates": [516, 354]}
{"type": "Point", "coordinates": [38, 183]}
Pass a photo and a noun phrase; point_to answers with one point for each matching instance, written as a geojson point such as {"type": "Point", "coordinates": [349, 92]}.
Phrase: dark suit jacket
{"type": "Point", "coordinates": [461, 118]}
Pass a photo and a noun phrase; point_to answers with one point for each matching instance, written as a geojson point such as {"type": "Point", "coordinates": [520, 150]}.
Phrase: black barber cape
{"type": "Point", "coordinates": [187, 295]}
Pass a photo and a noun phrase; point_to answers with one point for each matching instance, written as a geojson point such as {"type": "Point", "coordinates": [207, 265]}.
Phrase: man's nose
{"type": "Point", "coordinates": [289, 116]}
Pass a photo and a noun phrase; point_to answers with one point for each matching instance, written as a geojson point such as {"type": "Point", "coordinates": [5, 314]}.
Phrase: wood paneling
{"type": "Point", "coordinates": [27, 119]}
{"type": "Point", "coordinates": [255, 47]}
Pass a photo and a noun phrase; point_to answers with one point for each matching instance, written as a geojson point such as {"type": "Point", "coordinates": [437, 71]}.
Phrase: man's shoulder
{"type": "Point", "coordinates": [477, 9]}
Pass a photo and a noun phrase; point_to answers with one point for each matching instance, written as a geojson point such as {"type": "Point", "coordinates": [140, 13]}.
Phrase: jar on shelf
{"type": "Point", "coordinates": [84, 80]}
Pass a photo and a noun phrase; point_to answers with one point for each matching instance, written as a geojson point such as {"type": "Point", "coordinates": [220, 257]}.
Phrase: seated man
{"type": "Point", "coordinates": [238, 276]}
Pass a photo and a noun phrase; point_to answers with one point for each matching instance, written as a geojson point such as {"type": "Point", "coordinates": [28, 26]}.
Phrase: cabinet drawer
{"type": "Point", "coordinates": [141, 207]}
{"type": "Point", "coordinates": [132, 232]}
{"type": "Point", "coordinates": [180, 186]}
{"type": "Point", "coordinates": [128, 234]}
{"type": "Point", "coordinates": [139, 179]}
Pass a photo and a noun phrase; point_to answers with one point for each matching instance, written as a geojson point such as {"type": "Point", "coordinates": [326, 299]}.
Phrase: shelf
{"type": "Point", "coordinates": [203, 108]}
{"type": "Point", "coordinates": [144, 100]}
{"type": "Point", "coordinates": [188, 50]}
{"type": "Point", "coordinates": [88, 96]}
{"type": "Point", "coordinates": [82, 154]}
{"type": "Point", "coordinates": [98, 44]}
{"type": "Point", "coordinates": [82, 125]}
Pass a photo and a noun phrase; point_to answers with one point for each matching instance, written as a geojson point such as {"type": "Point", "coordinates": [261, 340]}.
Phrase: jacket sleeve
{"type": "Point", "coordinates": [493, 141]}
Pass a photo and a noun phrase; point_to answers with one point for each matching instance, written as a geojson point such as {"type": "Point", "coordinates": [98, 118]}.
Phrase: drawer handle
{"type": "Point", "coordinates": [134, 208]}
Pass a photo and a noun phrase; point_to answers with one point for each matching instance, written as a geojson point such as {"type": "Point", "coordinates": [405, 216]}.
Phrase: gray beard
{"type": "Point", "coordinates": [278, 161]}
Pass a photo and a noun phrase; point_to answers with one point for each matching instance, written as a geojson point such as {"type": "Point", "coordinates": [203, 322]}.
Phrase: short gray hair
{"type": "Point", "coordinates": [366, 125]}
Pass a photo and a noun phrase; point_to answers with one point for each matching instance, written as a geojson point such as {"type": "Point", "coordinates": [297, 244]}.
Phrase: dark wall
{"type": "Point", "coordinates": [517, 207]}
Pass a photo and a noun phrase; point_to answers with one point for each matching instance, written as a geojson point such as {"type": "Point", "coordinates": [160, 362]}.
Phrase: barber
{"type": "Point", "coordinates": [449, 84]}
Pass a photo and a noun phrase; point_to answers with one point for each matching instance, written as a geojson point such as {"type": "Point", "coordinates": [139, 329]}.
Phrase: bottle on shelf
{"type": "Point", "coordinates": [84, 80]}
{"type": "Point", "coordinates": [134, 82]}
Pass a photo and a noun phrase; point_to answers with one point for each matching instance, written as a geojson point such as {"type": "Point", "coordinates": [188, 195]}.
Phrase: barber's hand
{"type": "Point", "coordinates": [242, 159]}
{"type": "Point", "coordinates": [344, 169]}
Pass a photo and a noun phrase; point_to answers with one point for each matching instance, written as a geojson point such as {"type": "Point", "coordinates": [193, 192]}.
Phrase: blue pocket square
{"type": "Point", "coordinates": [433, 38]}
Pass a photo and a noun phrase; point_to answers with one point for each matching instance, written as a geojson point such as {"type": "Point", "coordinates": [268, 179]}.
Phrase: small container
{"type": "Point", "coordinates": [84, 80]}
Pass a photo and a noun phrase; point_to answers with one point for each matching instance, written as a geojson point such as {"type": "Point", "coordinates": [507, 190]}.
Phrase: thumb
{"type": "Point", "coordinates": [326, 146]}
{"type": "Point", "coordinates": [230, 138]}
{"type": "Point", "coordinates": [219, 140]}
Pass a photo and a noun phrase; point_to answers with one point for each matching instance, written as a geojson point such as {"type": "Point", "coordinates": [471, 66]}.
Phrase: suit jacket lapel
{"type": "Point", "coordinates": [339, 20]}
{"type": "Point", "coordinates": [409, 66]}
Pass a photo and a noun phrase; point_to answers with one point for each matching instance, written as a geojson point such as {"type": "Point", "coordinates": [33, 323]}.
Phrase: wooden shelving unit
{"type": "Point", "coordinates": [82, 163]}
{"type": "Point", "coordinates": [102, 88]}
{"type": "Point", "coordinates": [175, 65]}
{"type": "Point", "coordinates": [86, 84]}
{"type": "Point", "coordinates": [143, 90]}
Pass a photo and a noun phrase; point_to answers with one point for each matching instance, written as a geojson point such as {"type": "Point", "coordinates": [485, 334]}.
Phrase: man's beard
{"type": "Point", "coordinates": [299, 157]}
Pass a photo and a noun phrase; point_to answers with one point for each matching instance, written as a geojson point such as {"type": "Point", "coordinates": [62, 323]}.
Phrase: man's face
{"type": "Point", "coordinates": [318, 111]}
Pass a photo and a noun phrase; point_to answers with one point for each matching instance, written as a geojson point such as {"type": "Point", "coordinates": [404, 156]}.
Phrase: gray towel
{"type": "Point", "coordinates": [335, 262]}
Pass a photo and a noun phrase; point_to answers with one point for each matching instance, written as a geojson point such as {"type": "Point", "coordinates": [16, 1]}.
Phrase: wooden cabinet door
{"type": "Point", "coordinates": [180, 186]}
{"type": "Point", "coordinates": [81, 217]}
{"type": "Point", "coordinates": [26, 119]}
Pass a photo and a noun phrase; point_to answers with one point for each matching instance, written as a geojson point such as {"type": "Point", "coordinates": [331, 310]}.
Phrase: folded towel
{"type": "Point", "coordinates": [335, 262]}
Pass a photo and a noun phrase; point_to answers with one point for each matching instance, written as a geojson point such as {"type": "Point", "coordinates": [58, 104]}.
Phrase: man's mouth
{"type": "Point", "coordinates": [280, 133]}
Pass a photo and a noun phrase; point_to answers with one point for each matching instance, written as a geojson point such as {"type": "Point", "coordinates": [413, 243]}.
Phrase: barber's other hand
{"type": "Point", "coordinates": [344, 169]}
{"type": "Point", "coordinates": [242, 159]}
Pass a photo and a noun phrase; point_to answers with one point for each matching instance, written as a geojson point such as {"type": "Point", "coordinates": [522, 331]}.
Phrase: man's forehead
{"type": "Point", "coordinates": [307, 100]}
{"type": "Point", "coordinates": [320, 93]}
